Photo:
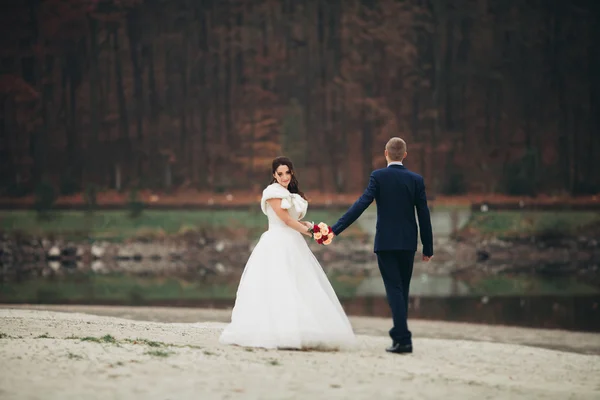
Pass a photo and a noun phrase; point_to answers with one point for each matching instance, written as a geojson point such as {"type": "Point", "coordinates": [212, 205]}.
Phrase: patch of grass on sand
{"type": "Point", "coordinates": [103, 339]}
{"type": "Point", "coordinates": [108, 339]}
{"type": "Point", "coordinates": [44, 336]}
{"type": "Point", "coordinates": [90, 339]}
{"type": "Point", "coordinates": [137, 341]}
{"type": "Point", "coordinates": [274, 362]}
{"type": "Point", "coordinates": [73, 356]}
{"type": "Point", "coordinates": [158, 353]}
{"type": "Point", "coordinates": [146, 342]}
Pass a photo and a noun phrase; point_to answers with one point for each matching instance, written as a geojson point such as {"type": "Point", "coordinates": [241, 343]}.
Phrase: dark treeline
{"type": "Point", "coordinates": [491, 95]}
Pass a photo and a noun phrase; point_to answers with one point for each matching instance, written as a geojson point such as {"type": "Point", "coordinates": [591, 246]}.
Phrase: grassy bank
{"type": "Point", "coordinates": [518, 285]}
{"type": "Point", "coordinates": [128, 289]}
{"type": "Point", "coordinates": [511, 224]}
{"type": "Point", "coordinates": [118, 225]}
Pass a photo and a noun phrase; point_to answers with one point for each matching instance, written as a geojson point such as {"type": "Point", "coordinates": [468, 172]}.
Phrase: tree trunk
{"type": "Point", "coordinates": [121, 100]}
{"type": "Point", "coordinates": [152, 92]}
{"type": "Point", "coordinates": [203, 100]}
{"type": "Point", "coordinates": [228, 96]}
{"type": "Point", "coordinates": [441, 18]}
{"type": "Point", "coordinates": [183, 117]}
{"type": "Point", "coordinates": [594, 101]}
{"type": "Point", "coordinates": [367, 145]}
{"type": "Point", "coordinates": [73, 145]}
{"type": "Point", "coordinates": [94, 81]}
{"type": "Point", "coordinates": [133, 30]}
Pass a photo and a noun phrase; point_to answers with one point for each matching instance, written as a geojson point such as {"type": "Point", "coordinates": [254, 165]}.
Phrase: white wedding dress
{"type": "Point", "coordinates": [284, 299]}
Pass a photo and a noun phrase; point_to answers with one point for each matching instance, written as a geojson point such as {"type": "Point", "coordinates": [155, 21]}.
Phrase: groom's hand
{"type": "Point", "coordinates": [426, 258]}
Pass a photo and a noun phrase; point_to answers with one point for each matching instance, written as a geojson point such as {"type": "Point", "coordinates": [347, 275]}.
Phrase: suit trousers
{"type": "Point", "coordinates": [396, 267]}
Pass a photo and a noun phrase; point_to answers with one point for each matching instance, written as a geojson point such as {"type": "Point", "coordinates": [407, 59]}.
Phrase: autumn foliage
{"type": "Point", "coordinates": [492, 96]}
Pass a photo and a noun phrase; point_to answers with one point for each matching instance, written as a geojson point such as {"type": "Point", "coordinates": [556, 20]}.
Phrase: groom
{"type": "Point", "coordinates": [397, 192]}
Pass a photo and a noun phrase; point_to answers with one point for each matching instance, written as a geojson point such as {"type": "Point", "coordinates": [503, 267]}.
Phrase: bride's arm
{"type": "Point", "coordinates": [287, 218]}
{"type": "Point", "coordinates": [306, 223]}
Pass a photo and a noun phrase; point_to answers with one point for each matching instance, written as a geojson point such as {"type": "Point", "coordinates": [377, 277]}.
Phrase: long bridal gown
{"type": "Point", "coordinates": [284, 299]}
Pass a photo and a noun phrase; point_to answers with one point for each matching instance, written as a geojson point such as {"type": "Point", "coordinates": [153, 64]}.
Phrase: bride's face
{"type": "Point", "coordinates": [283, 175]}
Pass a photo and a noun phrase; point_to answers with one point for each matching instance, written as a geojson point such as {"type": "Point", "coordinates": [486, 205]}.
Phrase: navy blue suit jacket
{"type": "Point", "coordinates": [397, 192]}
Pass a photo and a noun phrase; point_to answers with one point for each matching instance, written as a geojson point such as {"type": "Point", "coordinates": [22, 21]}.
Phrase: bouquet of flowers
{"type": "Point", "coordinates": [322, 233]}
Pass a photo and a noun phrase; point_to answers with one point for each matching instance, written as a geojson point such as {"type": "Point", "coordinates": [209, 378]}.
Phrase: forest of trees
{"type": "Point", "coordinates": [492, 96]}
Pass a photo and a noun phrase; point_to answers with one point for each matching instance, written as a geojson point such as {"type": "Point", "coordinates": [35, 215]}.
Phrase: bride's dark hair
{"type": "Point", "coordinates": [293, 186]}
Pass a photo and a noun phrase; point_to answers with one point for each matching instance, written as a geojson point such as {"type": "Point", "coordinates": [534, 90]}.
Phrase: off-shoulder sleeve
{"type": "Point", "coordinates": [275, 192]}
{"type": "Point", "coordinates": [299, 204]}
{"type": "Point", "coordinates": [288, 200]}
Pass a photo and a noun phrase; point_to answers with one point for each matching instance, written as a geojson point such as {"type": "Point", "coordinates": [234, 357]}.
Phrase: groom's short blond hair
{"type": "Point", "coordinates": [396, 149]}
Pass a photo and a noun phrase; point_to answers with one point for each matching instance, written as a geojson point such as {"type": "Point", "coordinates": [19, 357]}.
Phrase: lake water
{"type": "Point", "coordinates": [535, 301]}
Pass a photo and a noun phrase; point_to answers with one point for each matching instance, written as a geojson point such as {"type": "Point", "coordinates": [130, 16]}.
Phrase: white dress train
{"type": "Point", "coordinates": [284, 299]}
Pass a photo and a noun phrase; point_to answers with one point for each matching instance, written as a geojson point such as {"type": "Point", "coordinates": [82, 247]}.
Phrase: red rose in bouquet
{"type": "Point", "coordinates": [322, 233]}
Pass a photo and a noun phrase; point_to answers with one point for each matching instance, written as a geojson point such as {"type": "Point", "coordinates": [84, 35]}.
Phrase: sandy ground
{"type": "Point", "coordinates": [157, 353]}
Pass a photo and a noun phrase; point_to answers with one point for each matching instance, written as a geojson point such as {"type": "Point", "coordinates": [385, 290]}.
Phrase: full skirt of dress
{"type": "Point", "coordinates": [284, 299]}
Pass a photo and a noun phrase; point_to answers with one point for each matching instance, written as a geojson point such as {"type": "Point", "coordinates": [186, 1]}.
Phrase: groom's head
{"type": "Point", "coordinates": [395, 149]}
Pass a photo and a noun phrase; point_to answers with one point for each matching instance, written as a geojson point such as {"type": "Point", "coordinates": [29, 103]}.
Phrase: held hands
{"type": "Point", "coordinates": [323, 234]}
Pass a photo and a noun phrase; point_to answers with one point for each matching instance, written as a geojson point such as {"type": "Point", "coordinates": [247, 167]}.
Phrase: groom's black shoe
{"type": "Point", "coordinates": [399, 348]}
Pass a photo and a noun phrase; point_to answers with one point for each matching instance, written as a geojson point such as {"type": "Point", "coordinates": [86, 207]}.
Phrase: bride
{"type": "Point", "coordinates": [284, 299]}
